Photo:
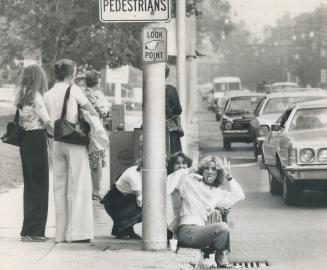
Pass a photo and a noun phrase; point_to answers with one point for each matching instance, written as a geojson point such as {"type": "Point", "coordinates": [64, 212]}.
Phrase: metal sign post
{"type": "Point", "coordinates": [154, 230]}
{"type": "Point", "coordinates": [154, 175]}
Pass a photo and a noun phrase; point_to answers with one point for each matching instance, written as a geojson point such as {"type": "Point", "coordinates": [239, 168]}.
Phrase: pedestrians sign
{"type": "Point", "coordinates": [134, 10]}
{"type": "Point", "coordinates": [154, 45]}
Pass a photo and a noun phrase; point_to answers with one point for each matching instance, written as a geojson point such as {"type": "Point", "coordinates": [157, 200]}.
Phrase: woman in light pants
{"type": "Point", "coordinates": [72, 184]}
{"type": "Point", "coordinates": [211, 186]}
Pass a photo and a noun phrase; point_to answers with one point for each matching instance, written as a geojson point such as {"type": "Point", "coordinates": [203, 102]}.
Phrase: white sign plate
{"type": "Point", "coordinates": [134, 10]}
{"type": "Point", "coordinates": [154, 45]}
{"type": "Point", "coordinates": [118, 75]}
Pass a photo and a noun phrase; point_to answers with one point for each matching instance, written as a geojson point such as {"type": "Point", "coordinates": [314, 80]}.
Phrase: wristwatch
{"type": "Point", "coordinates": [229, 177]}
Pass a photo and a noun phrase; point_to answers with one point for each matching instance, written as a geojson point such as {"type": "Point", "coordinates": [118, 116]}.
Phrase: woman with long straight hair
{"type": "Point", "coordinates": [34, 119]}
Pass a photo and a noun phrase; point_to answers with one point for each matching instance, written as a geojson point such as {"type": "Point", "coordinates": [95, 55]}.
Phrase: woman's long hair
{"type": "Point", "coordinates": [33, 79]}
{"type": "Point", "coordinates": [173, 159]}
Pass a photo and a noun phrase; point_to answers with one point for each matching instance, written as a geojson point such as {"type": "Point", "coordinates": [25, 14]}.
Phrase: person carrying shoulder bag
{"type": "Point", "coordinates": [72, 183]}
{"type": "Point", "coordinates": [34, 121]}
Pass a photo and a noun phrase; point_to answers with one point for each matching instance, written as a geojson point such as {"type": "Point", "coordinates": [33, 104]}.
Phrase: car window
{"type": "Point", "coordinates": [234, 86]}
{"type": "Point", "coordinates": [247, 104]}
{"type": "Point", "coordinates": [278, 105]}
{"type": "Point", "coordinates": [315, 118]}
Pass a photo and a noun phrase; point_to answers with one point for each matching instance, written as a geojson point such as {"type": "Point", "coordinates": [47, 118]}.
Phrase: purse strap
{"type": "Point", "coordinates": [16, 116]}
{"type": "Point", "coordinates": [64, 107]}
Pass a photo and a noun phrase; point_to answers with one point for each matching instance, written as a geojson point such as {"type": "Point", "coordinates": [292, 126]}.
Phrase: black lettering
{"type": "Point", "coordinates": [105, 4]}
{"type": "Point", "coordinates": [163, 5]}
{"type": "Point", "coordinates": [124, 5]}
{"type": "Point", "coordinates": [150, 6]}
{"type": "Point", "coordinates": [130, 7]}
{"type": "Point", "coordinates": [118, 5]}
{"type": "Point", "coordinates": [135, 2]}
{"type": "Point", "coordinates": [141, 5]}
{"type": "Point", "coordinates": [112, 5]}
{"type": "Point", "coordinates": [157, 5]}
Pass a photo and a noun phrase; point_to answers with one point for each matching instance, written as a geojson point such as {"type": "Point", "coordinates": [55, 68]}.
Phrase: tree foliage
{"type": "Point", "coordinates": [294, 49]}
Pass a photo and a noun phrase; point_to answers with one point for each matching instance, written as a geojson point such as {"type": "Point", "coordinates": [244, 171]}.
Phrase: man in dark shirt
{"type": "Point", "coordinates": [173, 112]}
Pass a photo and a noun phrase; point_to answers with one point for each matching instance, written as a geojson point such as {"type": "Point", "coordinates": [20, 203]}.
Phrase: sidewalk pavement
{"type": "Point", "coordinates": [105, 252]}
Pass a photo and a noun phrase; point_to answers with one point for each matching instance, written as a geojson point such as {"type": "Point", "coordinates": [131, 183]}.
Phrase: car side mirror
{"type": "Point", "coordinates": [276, 127]}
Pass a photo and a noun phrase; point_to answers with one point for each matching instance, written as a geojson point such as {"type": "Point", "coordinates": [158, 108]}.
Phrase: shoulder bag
{"type": "Point", "coordinates": [14, 132]}
{"type": "Point", "coordinates": [67, 132]}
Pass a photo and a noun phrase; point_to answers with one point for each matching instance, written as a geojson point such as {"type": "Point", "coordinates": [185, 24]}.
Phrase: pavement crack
{"type": "Point", "coordinates": [44, 255]}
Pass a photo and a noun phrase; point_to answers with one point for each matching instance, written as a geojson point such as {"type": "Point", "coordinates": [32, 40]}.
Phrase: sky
{"type": "Point", "coordinates": [259, 13]}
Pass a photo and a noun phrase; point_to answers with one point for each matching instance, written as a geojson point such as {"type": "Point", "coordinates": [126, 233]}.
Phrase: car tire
{"type": "Point", "coordinates": [291, 192]}
{"type": "Point", "coordinates": [227, 144]}
{"type": "Point", "coordinates": [275, 187]}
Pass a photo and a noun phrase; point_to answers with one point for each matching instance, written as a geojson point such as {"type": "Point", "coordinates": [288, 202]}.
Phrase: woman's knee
{"type": "Point", "coordinates": [221, 227]}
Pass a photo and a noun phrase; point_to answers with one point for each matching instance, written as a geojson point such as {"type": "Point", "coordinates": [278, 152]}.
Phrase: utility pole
{"type": "Point", "coordinates": [154, 174]}
{"type": "Point", "coordinates": [181, 64]}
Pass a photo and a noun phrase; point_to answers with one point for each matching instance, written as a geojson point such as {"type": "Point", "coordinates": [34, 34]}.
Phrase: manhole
{"type": "Point", "coordinates": [255, 264]}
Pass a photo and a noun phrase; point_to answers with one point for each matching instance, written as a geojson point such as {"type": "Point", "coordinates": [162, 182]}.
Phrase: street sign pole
{"type": "Point", "coordinates": [154, 229]}
{"type": "Point", "coordinates": [181, 64]}
{"type": "Point", "coordinates": [154, 175]}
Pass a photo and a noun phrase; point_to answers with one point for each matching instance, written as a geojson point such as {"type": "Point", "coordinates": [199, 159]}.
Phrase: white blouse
{"type": "Point", "coordinates": [130, 181]}
{"type": "Point", "coordinates": [34, 116]}
{"type": "Point", "coordinates": [199, 199]}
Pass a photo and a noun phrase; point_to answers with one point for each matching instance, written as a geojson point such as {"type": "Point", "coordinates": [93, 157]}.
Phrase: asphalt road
{"type": "Point", "coordinates": [263, 227]}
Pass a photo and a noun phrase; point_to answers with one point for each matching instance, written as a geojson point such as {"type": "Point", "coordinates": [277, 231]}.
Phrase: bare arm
{"type": "Point", "coordinates": [88, 107]}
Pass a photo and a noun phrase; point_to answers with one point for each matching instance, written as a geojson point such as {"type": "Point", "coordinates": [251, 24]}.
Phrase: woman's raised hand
{"type": "Point", "coordinates": [227, 167]}
{"type": "Point", "coordinates": [195, 162]}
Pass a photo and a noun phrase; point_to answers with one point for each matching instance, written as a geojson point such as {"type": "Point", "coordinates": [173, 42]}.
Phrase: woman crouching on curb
{"type": "Point", "coordinates": [123, 202]}
{"type": "Point", "coordinates": [209, 186]}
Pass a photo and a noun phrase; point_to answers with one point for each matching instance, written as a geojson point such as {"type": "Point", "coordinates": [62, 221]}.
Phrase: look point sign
{"type": "Point", "coordinates": [134, 10]}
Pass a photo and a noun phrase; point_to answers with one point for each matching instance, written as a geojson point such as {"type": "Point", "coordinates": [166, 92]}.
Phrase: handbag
{"type": "Point", "coordinates": [14, 132]}
{"type": "Point", "coordinates": [67, 132]}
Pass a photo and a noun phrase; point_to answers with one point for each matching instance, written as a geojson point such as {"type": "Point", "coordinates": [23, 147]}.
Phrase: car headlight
{"type": "Point", "coordinates": [263, 130]}
{"type": "Point", "coordinates": [322, 156]}
{"type": "Point", "coordinates": [228, 125]}
{"type": "Point", "coordinates": [307, 155]}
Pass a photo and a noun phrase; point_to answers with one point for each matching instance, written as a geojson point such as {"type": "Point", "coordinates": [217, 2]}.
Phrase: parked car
{"type": "Point", "coordinates": [275, 87]}
{"type": "Point", "coordinates": [271, 107]}
{"type": "Point", "coordinates": [222, 100]}
{"type": "Point", "coordinates": [295, 151]}
{"type": "Point", "coordinates": [236, 119]}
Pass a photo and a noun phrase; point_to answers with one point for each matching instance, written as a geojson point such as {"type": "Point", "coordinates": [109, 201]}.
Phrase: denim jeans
{"type": "Point", "coordinates": [215, 236]}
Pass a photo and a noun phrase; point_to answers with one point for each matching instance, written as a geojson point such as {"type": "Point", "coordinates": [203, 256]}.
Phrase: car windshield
{"type": "Point", "coordinates": [283, 86]}
{"type": "Point", "coordinates": [243, 104]}
{"type": "Point", "coordinates": [278, 105]}
{"type": "Point", "coordinates": [222, 87]}
{"type": "Point", "coordinates": [314, 118]}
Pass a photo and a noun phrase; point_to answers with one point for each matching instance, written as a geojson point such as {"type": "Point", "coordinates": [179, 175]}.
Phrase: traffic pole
{"type": "Point", "coordinates": [181, 64]}
{"type": "Point", "coordinates": [154, 175]}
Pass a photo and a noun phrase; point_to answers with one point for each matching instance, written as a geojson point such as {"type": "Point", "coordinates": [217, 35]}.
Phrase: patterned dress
{"type": "Point", "coordinates": [97, 158]}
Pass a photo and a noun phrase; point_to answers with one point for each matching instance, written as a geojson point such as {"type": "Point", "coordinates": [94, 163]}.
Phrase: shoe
{"type": "Point", "coordinates": [222, 261]}
{"type": "Point", "coordinates": [27, 238]}
{"type": "Point", "coordinates": [134, 236]}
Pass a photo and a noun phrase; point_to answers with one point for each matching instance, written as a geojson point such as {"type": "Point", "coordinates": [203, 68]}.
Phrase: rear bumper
{"type": "Point", "coordinates": [237, 135]}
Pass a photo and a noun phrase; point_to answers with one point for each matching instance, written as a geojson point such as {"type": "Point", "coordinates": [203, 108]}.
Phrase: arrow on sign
{"type": "Point", "coordinates": [152, 45]}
